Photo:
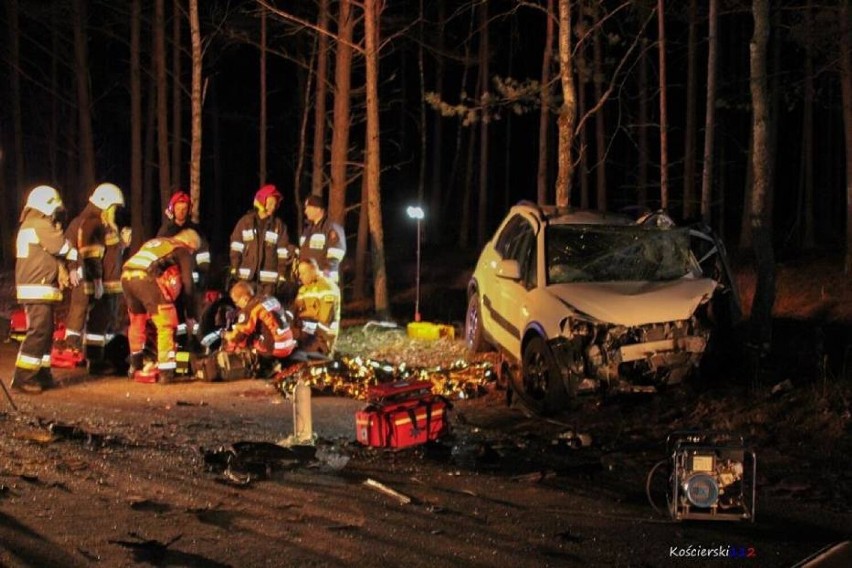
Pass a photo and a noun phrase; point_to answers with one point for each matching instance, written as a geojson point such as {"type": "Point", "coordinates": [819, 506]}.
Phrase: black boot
{"type": "Point", "coordinates": [137, 361]}
{"type": "Point", "coordinates": [165, 376]}
{"type": "Point", "coordinates": [26, 386]}
{"type": "Point", "coordinates": [45, 378]}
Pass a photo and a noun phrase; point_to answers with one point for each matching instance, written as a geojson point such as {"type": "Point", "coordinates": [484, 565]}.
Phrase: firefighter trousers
{"type": "Point", "coordinates": [89, 322]}
{"type": "Point", "coordinates": [146, 302]}
{"type": "Point", "coordinates": [34, 353]}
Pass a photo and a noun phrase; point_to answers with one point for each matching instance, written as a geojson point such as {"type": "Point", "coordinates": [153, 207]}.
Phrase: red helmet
{"type": "Point", "coordinates": [265, 193]}
{"type": "Point", "coordinates": [179, 197]}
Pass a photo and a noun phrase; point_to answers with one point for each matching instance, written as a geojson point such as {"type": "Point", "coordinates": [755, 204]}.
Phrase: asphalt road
{"type": "Point", "coordinates": [136, 484]}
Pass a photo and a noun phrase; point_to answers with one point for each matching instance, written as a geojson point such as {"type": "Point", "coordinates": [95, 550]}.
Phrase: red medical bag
{"type": "Point", "coordinates": [401, 414]}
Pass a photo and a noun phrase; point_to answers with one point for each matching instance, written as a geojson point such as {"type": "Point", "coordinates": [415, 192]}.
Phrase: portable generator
{"type": "Point", "coordinates": [712, 476]}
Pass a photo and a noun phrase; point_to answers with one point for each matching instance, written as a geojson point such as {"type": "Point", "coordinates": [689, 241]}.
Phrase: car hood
{"type": "Point", "coordinates": [636, 303]}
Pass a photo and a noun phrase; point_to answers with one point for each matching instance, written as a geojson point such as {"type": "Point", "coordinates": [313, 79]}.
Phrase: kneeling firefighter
{"type": "Point", "coordinates": [153, 280]}
{"type": "Point", "coordinates": [262, 326]}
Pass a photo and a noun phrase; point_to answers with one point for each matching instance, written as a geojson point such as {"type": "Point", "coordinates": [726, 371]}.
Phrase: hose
{"type": "Point", "coordinates": [648, 486]}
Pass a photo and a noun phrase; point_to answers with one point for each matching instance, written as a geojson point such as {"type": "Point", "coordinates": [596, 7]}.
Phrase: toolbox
{"type": "Point", "coordinates": [402, 414]}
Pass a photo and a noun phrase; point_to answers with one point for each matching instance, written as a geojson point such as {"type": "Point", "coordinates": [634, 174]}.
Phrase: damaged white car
{"type": "Point", "coordinates": [581, 301]}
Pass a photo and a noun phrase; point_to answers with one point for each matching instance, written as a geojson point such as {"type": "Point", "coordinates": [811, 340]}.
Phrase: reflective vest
{"type": "Point", "coordinates": [318, 308]}
{"type": "Point", "coordinates": [264, 323]}
{"type": "Point", "coordinates": [169, 262]}
{"type": "Point", "coordinates": [260, 249]}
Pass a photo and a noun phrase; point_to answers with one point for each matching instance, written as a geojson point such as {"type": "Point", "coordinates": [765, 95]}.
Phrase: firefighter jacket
{"type": "Point", "coordinates": [40, 250]}
{"type": "Point", "coordinates": [161, 258]}
{"type": "Point", "coordinates": [97, 251]}
{"type": "Point", "coordinates": [325, 242]}
{"type": "Point", "coordinates": [264, 324]}
{"type": "Point", "coordinates": [260, 249]}
{"type": "Point", "coordinates": [318, 309]}
{"type": "Point", "coordinates": [202, 256]}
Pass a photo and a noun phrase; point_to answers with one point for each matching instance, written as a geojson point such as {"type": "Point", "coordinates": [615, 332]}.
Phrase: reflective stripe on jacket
{"type": "Point", "coordinates": [260, 248]}
{"type": "Point", "coordinates": [40, 247]}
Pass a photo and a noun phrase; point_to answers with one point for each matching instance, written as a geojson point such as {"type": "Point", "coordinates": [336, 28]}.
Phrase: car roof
{"type": "Point", "coordinates": [553, 215]}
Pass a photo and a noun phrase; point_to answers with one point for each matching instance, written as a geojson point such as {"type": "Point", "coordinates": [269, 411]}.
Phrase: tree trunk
{"type": "Point", "coordinates": [53, 135]}
{"type": "Point", "coordinates": [15, 95]}
{"type": "Point", "coordinates": [437, 149]}
{"type": "Point", "coordinates": [485, 119]}
{"type": "Point", "coordinates": [567, 113]}
{"type": "Point", "coordinates": [148, 187]}
{"type": "Point", "coordinates": [764, 296]}
{"type": "Point", "coordinates": [544, 115]}
{"type": "Point", "coordinates": [644, 152]}
{"type": "Point", "coordinates": [262, 126]}
{"type": "Point", "coordinates": [421, 76]}
{"type": "Point", "coordinates": [689, 134]}
{"type": "Point", "coordinates": [808, 134]}
{"type": "Point", "coordinates": [458, 155]}
{"type": "Point", "coordinates": [162, 101]}
{"type": "Point", "coordinates": [664, 143]}
{"type": "Point", "coordinates": [136, 206]}
{"type": "Point", "coordinates": [359, 286]}
{"type": "Point", "coordinates": [84, 100]}
{"type": "Point", "coordinates": [196, 102]}
{"type": "Point", "coordinates": [318, 157]}
{"type": "Point", "coordinates": [710, 112]}
{"type": "Point", "coordinates": [372, 13]}
{"type": "Point", "coordinates": [306, 86]}
{"type": "Point", "coordinates": [600, 126]}
{"type": "Point", "coordinates": [6, 205]}
{"type": "Point", "coordinates": [177, 118]}
{"type": "Point", "coordinates": [340, 131]}
{"type": "Point", "coordinates": [846, 89]}
{"type": "Point", "coordinates": [582, 135]}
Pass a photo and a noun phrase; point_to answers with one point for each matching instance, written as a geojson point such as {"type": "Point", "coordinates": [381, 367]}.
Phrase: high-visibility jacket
{"type": "Point", "coordinates": [170, 262]}
{"type": "Point", "coordinates": [170, 228]}
{"type": "Point", "coordinates": [318, 309]}
{"type": "Point", "coordinates": [260, 249]}
{"type": "Point", "coordinates": [264, 324]}
{"type": "Point", "coordinates": [325, 242]}
{"type": "Point", "coordinates": [97, 250]}
{"type": "Point", "coordinates": [40, 248]}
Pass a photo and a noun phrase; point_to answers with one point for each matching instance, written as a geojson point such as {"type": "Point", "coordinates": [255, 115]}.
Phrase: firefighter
{"type": "Point", "coordinates": [178, 218]}
{"type": "Point", "coordinates": [317, 310]}
{"type": "Point", "coordinates": [260, 246]}
{"type": "Point", "coordinates": [40, 277]}
{"type": "Point", "coordinates": [322, 239]}
{"type": "Point", "coordinates": [153, 280]}
{"type": "Point", "coordinates": [98, 249]}
{"type": "Point", "coordinates": [262, 325]}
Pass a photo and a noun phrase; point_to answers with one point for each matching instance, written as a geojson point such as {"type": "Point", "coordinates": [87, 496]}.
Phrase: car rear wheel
{"type": "Point", "coordinates": [474, 335]}
{"type": "Point", "coordinates": [541, 386]}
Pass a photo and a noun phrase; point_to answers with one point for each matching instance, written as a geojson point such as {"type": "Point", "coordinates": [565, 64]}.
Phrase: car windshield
{"type": "Point", "coordinates": [602, 253]}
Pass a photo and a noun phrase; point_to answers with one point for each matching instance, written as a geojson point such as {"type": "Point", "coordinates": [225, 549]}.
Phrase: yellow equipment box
{"type": "Point", "coordinates": [431, 331]}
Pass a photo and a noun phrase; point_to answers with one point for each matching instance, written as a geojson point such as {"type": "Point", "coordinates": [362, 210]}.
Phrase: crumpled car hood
{"type": "Point", "coordinates": [636, 303]}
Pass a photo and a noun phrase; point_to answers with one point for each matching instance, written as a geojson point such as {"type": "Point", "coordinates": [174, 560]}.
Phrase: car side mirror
{"type": "Point", "coordinates": [509, 269]}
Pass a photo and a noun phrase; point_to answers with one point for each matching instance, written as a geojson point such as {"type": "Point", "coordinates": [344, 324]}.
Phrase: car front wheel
{"type": "Point", "coordinates": [541, 386]}
{"type": "Point", "coordinates": [474, 335]}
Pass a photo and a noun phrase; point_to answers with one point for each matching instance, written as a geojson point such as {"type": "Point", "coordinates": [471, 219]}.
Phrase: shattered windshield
{"type": "Point", "coordinates": [600, 253]}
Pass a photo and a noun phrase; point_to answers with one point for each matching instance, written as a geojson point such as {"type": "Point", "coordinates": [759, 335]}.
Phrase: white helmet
{"type": "Point", "coordinates": [107, 194]}
{"type": "Point", "coordinates": [45, 199]}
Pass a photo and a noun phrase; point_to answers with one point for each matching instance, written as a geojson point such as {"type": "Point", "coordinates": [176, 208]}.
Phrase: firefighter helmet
{"type": "Point", "coordinates": [106, 195]}
{"type": "Point", "coordinates": [265, 193]}
{"type": "Point", "coordinates": [190, 238]}
{"type": "Point", "coordinates": [179, 197]}
{"type": "Point", "coordinates": [44, 198]}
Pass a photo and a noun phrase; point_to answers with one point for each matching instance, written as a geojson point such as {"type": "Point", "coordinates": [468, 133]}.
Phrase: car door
{"type": "Point", "coordinates": [510, 303]}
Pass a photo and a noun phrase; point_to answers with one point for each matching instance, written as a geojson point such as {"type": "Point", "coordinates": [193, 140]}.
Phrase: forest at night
{"type": "Point", "coordinates": [468, 98]}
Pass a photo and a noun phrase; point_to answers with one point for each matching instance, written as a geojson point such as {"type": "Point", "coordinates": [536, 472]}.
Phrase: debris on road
{"type": "Point", "coordinates": [381, 487]}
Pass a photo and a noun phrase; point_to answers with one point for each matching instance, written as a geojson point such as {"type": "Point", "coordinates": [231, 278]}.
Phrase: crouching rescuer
{"type": "Point", "coordinates": [262, 326]}
{"type": "Point", "coordinates": [153, 280]}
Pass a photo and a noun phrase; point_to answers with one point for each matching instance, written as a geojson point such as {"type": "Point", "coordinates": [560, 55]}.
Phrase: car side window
{"type": "Point", "coordinates": [508, 240]}
{"type": "Point", "coordinates": [525, 253]}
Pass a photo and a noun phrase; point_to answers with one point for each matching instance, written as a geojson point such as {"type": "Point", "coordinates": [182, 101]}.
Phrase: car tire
{"type": "Point", "coordinates": [541, 386]}
{"type": "Point", "coordinates": [474, 335]}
